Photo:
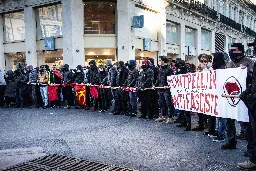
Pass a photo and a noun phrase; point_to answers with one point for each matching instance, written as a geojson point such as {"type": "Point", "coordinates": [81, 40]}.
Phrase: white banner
{"type": "Point", "coordinates": [201, 92]}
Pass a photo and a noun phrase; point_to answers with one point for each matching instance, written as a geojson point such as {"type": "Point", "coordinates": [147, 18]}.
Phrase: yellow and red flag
{"type": "Point", "coordinates": [81, 94]}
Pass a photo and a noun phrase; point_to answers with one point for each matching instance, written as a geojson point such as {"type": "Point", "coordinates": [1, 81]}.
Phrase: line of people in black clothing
{"type": "Point", "coordinates": [22, 85]}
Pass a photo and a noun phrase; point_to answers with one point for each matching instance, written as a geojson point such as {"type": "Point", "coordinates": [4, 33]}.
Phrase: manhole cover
{"type": "Point", "coordinates": [63, 163]}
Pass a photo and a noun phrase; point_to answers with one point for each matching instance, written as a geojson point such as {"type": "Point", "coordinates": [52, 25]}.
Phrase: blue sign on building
{"type": "Point", "coordinates": [147, 44]}
{"type": "Point", "coordinates": [49, 43]}
{"type": "Point", "coordinates": [138, 21]}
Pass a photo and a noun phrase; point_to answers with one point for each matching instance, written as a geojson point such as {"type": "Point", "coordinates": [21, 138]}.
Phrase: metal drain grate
{"type": "Point", "coordinates": [63, 163]}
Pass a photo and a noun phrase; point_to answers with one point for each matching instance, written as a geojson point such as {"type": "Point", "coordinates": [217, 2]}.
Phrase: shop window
{"type": "Point", "coordinates": [99, 17]}
{"type": "Point", "coordinates": [190, 36]}
{"type": "Point", "coordinates": [172, 33]}
{"type": "Point", "coordinates": [49, 21]}
{"type": "Point", "coordinates": [205, 39]}
{"type": "Point", "coordinates": [14, 27]}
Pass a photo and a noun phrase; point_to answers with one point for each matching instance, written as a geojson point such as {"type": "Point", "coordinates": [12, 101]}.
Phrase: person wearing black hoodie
{"type": "Point", "coordinates": [123, 96]}
{"type": "Point", "coordinates": [165, 98]}
{"type": "Point", "coordinates": [93, 79]}
{"type": "Point", "coordinates": [154, 92]}
{"type": "Point", "coordinates": [103, 92]}
{"type": "Point", "coordinates": [146, 80]}
{"type": "Point", "coordinates": [132, 82]}
{"type": "Point", "coordinates": [67, 87]}
{"type": "Point", "coordinates": [20, 78]}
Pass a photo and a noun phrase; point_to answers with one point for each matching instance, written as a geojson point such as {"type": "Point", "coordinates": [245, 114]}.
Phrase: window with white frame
{"type": "Point", "coordinates": [172, 33]}
{"type": "Point", "coordinates": [190, 37]}
{"type": "Point", "coordinates": [205, 39]}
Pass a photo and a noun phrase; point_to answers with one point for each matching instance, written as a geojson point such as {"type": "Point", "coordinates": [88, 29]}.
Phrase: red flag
{"type": "Point", "coordinates": [53, 92]}
{"type": "Point", "coordinates": [94, 92]}
{"type": "Point", "coordinates": [81, 94]}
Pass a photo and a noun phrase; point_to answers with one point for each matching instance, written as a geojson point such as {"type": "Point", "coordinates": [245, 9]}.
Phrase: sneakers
{"type": "Point", "coordinates": [132, 115]}
{"type": "Point", "coordinates": [212, 134]}
{"type": "Point", "coordinates": [181, 125]}
{"type": "Point", "coordinates": [198, 129]}
{"type": "Point", "coordinates": [241, 136]}
{"type": "Point", "coordinates": [188, 127]}
{"type": "Point", "coordinates": [160, 119]}
{"type": "Point", "coordinates": [218, 139]}
{"type": "Point", "coordinates": [169, 121]}
{"type": "Point", "coordinates": [102, 111]}
{"type": "Point", "coordinates": [228, 146]}
{"type": "Point", "coordinates": [246, 165]}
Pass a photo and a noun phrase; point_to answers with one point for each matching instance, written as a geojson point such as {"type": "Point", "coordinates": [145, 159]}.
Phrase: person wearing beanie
{"type": "Point", "coordinates": [146, 81]}
{"type": "Point", "coordinates": [165, 99]}
{"type": "Point", "coordinates": [132, 81]}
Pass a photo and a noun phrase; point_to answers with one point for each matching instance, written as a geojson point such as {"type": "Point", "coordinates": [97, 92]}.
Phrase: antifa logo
{"type": "Point", "coordinates": [232, 87]}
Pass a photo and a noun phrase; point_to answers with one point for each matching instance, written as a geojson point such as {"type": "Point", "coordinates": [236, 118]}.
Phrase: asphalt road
{"type": "Point", "coordinates": [119, 140]}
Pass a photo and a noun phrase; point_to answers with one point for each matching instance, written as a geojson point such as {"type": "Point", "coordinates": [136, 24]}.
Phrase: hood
{"type": "Point", "coordinates": [164, 59]}
{"type": "Point", "coordinates": [109, 63]}
{"type": "Point", "coordinates": [30, 67]}
{"type": "Point", "coordinates": [218, 60]}
{"type": "Point", "coordinates": [121, 64]}
{"type": "Point", "coordinates": [152, 61]}
{"type": "Point", "coordinates": [79, 67]}
{"type": "Point", "coordinates": [92, 62]}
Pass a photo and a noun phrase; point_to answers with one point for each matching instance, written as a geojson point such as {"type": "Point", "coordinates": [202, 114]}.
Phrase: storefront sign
{"type": "Point", "coordinates": [138, 21]}
{"type": "Point", "coordinates": [202, 92]}
{"type": "Point", "coordinates": [147, 44]}
{"type": "Point", "coordinates": [49, 43]}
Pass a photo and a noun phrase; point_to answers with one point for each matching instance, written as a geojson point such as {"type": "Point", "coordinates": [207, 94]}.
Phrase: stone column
{"type": "Point", "coordinates": [162, 31]}
{"type": "Point", "coordinates": [183, 49]}
{"type": "Point", "coordinates": [125, 33]}
{"type": "Point", "coordinates": [30, 36]}
{"type": "Point", "coordinates": [212, 41]}
{"type": "Point", "coordinates": [73, 32]}
{"type": "Point", "coordinates": [2, 59]}
{"type": "Point", "coordinates": [198, 41]}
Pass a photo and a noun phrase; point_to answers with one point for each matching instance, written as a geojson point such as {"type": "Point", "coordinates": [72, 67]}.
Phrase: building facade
{"type": "Point", "coordinates": [50, 32]}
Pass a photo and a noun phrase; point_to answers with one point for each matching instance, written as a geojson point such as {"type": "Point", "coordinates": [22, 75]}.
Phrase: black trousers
{"type": "Point", "coordinates": [2, 91]}
{"type": "Point", "coordinates": [231, 131]}
{"type": "Point", "coordinates": [147, 108]}
{"type": "Point", "coordinates": [166, 103]}
{"type": "Point", "coordinates": [212, 124]}
{"type": "Point", "coordinates": [122, 101]}
{"type": "Point", "coordinates": [68, 95]}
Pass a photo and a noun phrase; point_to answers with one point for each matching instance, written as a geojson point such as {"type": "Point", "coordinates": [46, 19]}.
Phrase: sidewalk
{"type": "Point", "coordinates": [12, 157]}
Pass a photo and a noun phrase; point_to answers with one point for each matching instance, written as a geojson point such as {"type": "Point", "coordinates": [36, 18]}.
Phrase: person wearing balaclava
{"type": "Point", "coordinates": [42, 79]}
{"type": "Point", "coordinates": [32, 80]}
{"type": "Point", "coordinates": [93, 79]}
{"type": "Point", "coordinates": [236, 53]}
{"type": "Point", "coordinates": [111, 80]}
{"type": "Point", "coordinates": [165, 99]}
{"type": "Point", "coordinates": [154, 93]}
{"type": "Point", "coordinates": [103, 92]}
{"type": "Point", "coordinates": [132, 81]}
{"type": "Point", "coordinates": [122, 95]}
{"type": "Point", "coordinates": [249, 98]}
{"type": "Point", "coordinates": [146, 81]}
{"type": "Point", "coordinates": [19, 77]}
{"type": "Point", "coordinates": [2, 87]}
{"type": "Point", "coordinates": [67, 80]}
{"type": "Point", "coordinates": [185, 116]}
{"type": "Point", "coordinates": [11, 86]}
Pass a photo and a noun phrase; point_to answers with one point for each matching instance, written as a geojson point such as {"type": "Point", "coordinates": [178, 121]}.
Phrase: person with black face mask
{"type": "Point", "coordinates": [78, 78]}
{"type": "Point", "coordinates": [165, 98]}
{"type": "Point", "coordinates": [146, 81]}
{"type": "Point", "coordinates": [238, 58]}
{"type": "Point", "coordinates": [67, 87]}
{"type": "Point", "coordinates": [132, 81]}
{"type": "Point", "coordinates": [93, 79]}
{"type": "Point", "coordinates": [19, 77]}
{"type": "Point", "coordinates": [103, 92]}
{"type": "Point", "coordinates": [185, 116]}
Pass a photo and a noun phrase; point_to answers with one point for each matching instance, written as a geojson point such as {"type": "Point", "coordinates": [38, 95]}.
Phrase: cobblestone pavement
{"type": "Point", "coordinates": [116, 140]}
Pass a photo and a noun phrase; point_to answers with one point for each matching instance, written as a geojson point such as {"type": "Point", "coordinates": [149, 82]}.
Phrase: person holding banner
{"type": "Point", "coordinates": [145, 85]}
{"type": "Point", "coordinates": [165, 98]}
{"type": "Point", "coordinates": [55, 78]}
{"type": "Point", "coordinates": [43, 81]}
{"type": "Point", "coordinates": [131, 82]}
{"type": "Point", "coordinates": [67, 86]}
{"type": "Point", "coordinates": [249, 98]}
{"type": "Point", "coordinates": [238, 59]}
{"type": "Point", "coordinates": [78, 78]}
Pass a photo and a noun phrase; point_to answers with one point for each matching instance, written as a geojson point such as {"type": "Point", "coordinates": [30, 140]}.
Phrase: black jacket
{"type": "Point", "coordinates": [112, 77]}
{"type": "Point", "coordinates": [102, 75]}
{"type": "Point", "coordinates": [164, 72]}
{"type": "Point", "coordinates": [146, 78]}
{"type": "Point", "coordinates": [93, 75]}
{"type": "Point", "coordinates": [67, 77]}
{"type": "Point", "coordinates": [132, 79]}
{"type": "Point", "coordinates": [122, 76]}
{"type": "Point", "coordinates": [20, 78]}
